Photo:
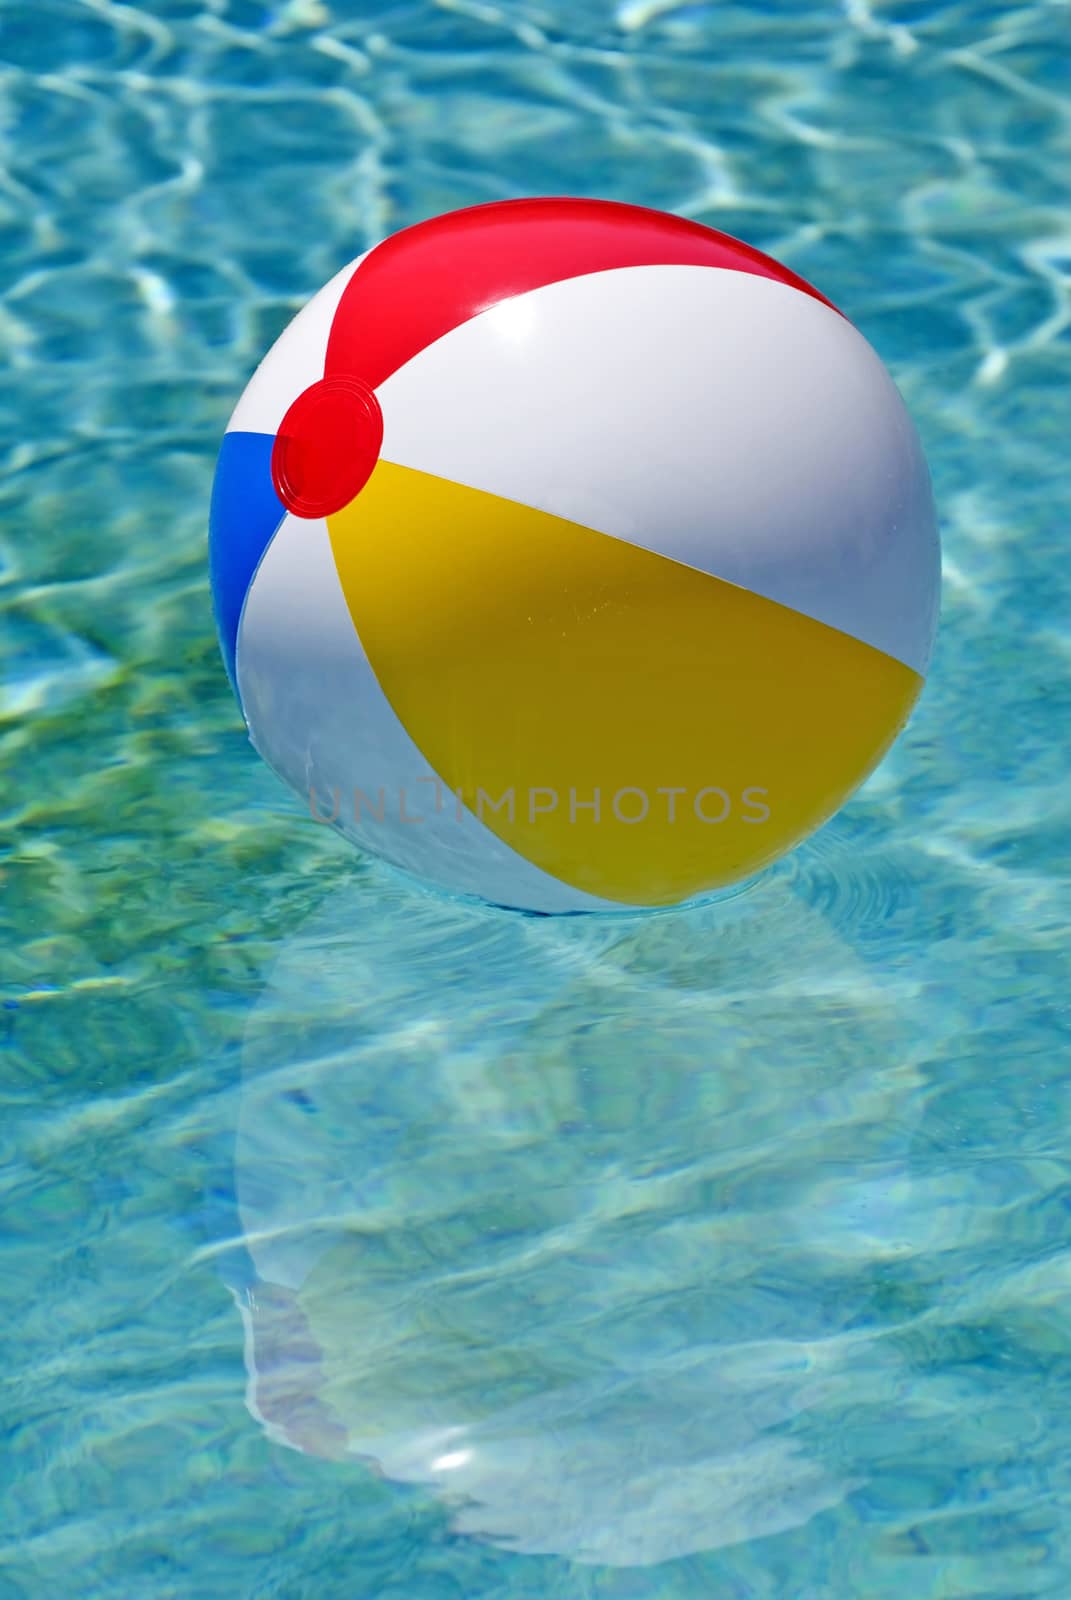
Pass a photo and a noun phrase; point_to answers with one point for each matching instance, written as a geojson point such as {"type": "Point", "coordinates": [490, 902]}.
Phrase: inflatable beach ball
{"type": "Point", "coordinates": [573, 555]}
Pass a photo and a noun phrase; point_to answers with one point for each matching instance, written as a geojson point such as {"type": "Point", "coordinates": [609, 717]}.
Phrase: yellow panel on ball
{"type": "Point", "coordinates": [638, 729]}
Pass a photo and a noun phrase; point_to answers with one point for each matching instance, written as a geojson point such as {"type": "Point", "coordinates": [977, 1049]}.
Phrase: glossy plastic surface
{"type": "Point", "coordinates": [629, 570]}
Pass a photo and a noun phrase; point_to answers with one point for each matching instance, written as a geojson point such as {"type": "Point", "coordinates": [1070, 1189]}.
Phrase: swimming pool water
{"type": "Point", "coordinates": [723, 1253]}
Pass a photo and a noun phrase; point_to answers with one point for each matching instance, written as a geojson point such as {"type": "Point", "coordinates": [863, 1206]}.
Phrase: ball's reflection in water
{"type": "Point", "coordinates": [527, 1208]}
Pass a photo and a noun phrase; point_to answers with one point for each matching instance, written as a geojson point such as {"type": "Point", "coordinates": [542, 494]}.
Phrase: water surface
{"type": "Point", "coordinates": [356, 1243]}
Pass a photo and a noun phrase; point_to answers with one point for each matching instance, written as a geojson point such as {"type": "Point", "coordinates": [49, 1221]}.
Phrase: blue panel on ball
{"type": "Point", "coordinates": [245, 513]}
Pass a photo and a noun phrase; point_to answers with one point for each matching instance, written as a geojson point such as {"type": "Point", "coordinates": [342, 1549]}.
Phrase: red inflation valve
{"type": "Point", "coordinates": [327, 445]}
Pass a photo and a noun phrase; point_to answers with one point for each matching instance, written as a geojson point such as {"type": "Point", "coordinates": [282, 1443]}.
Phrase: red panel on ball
{"type": "Point", "coordinates": [419, 284]}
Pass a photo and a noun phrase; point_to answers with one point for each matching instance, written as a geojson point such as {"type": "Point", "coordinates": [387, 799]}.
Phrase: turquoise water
{"type": "Point", "coordinates": [724, 1253]}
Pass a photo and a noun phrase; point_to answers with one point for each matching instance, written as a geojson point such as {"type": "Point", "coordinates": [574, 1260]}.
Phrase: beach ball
{"type": "Point", "coordinates": [573, 555]}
